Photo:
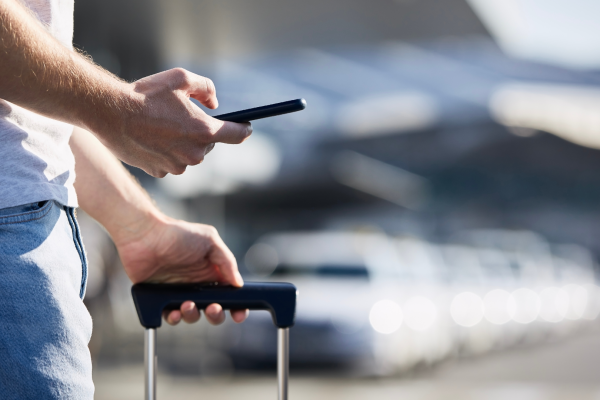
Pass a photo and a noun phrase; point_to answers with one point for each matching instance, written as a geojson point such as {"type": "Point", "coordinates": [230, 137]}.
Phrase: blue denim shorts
{"type": "Point", "coordinates": [45, 327]}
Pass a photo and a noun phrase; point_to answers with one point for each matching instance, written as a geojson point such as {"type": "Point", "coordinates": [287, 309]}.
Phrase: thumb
{"type": "Point", "coordinates": [222, 258]}
{"type": "Point", "coordinates": [232, 133]}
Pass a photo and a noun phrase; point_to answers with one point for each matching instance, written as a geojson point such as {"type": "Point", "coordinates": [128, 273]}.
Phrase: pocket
{"type": "Point", "coordinates": [80, 248]}
{"type": "Point", "coordinates": [25, 212]}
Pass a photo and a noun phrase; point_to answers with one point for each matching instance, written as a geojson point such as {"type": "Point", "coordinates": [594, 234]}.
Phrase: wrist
{"type": "Point", "coordinates": [107, 112]}
{"type": "Point", "coordinates": [135, 227]}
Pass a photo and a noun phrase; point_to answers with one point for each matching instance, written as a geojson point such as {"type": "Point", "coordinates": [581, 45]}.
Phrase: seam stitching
{"type": "Point", "coordinates": [44, 212]}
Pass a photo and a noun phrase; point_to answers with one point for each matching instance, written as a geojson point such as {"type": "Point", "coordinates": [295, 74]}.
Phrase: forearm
{"type": "Point", "coordinates": [152, 247]}
{"type": "Point", "coordinates": [42, 75]}
{"type": "Point", "coordinates": [108, 192]}
{"type": "Point", "coordinates": [150, 124]}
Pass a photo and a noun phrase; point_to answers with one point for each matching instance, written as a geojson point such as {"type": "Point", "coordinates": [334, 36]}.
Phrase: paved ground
{"type": "Point", "coordinates": [568, 370]}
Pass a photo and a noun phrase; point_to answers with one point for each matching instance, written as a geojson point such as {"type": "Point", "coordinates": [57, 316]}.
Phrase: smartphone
{"type": "Point", "coordinates": [271, 110]}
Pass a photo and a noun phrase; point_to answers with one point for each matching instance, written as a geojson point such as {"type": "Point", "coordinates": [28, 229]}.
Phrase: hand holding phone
{"type": "Point", "coordinates": [271, 110]}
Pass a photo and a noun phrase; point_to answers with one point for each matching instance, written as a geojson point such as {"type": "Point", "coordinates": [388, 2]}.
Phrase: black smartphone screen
{"type": "Point", "coordinates": [271, 110]}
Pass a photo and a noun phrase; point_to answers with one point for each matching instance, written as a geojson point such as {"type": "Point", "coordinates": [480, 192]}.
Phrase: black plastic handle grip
{"type": "Point", "coordinates": [279, 298]}
{"type": "Point", "coordinates": [271, 110]}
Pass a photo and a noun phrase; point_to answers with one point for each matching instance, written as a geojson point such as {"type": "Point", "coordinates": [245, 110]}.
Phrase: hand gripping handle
{"type": "Point", "coordinates": [279, 298]}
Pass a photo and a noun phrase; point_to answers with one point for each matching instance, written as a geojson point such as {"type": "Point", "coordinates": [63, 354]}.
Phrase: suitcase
{"type": "Point", "coordinates": [277, 298]}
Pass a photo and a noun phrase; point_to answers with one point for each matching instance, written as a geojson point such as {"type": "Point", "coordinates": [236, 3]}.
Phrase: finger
{"type": "Point", "coordinates": [214, 314]}
{"type": "Point", "coordinates": [196, 156]}
{"type": "Point", "coordinates": [232, 133]}
{"type": "Point", "coordinates": [190, 312]}
{"type": "Point", "coordinates": [177, 169]}
{"type": "Point", "coordinates": [209, 148]}
{"type": "Point", "coordinates": [223, 258]}
{"type": "Point", "coordinates": [172, 317]}
{"type": "Point", "coordinates": [239, 316]}
{"type": "Point", "coordinates": [203, 90]}
{"type": "Point", "coordinates": [156, 173]}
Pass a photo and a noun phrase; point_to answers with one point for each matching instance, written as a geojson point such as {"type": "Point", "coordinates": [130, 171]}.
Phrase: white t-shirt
{"type": "Point", "coordinates": [36, 162]}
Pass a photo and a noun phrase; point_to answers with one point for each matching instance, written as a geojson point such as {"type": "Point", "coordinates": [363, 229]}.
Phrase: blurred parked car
{"type": "Point", "coordinates": [383, 305]}
{"type": "Point", "coordinates": [340, 275]}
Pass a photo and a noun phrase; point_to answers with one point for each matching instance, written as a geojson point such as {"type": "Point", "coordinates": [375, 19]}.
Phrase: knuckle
{"type": "Point", "coordinates": [212, 232]}
{"type": "Point", "coordinates": [204, 130]}
{"type": "Point", "coordinates": [178, 72]}
{"type": "Point", "coordinates": [181, 77]}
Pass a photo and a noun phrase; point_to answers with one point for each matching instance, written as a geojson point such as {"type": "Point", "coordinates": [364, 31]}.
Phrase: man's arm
{"type": "Point", "coordinates": [150, 123]}
{"type": "Point", "coordinates": [152, 246]}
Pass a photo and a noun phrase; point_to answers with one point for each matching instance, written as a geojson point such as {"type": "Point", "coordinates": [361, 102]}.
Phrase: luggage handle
{"type": "Point", "coordinates": [278, 298]}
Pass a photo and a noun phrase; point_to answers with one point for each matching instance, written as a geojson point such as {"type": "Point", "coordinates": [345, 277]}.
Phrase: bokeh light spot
{"type": "Point", "coordinates": [467, 309]}
{"type": "Point", "coordinates": [578, 299]}
{"type": "Point", "coordinates": [496, 306]}
{"type": "Point", "coordinates": [386, 316]}
{"type": "Point", "coordinates": [524, 306]}
{"type": "Point", "coordinates": [554, 304]}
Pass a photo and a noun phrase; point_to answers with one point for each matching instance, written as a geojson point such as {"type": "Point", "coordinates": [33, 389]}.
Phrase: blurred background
{"type": "Point", "coordinates": [437, 203]}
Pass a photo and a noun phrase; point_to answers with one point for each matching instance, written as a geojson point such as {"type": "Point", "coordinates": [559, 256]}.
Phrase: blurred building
{"type": "Point", "coordinates": [136, 38]}
{"type": "Point", "coordinates": [368, 94]}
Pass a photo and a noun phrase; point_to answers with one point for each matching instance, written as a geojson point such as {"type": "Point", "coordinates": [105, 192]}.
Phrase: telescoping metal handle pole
{"type": "Point", "coordinates": [150, 364]}
{"type": "Point", "coordinates": [283, 362]}
{"type": "Point", "coordinates": [277, 298]}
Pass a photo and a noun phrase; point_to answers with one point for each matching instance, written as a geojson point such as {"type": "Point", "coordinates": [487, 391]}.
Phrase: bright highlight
{"type": "Point", "coordinates": [554, 304]}
{"type": "Point", "coordinates": [386, 316]}
{"type": "Point", "coordinates": [467, 309]}
{"type": "Point", "coordinates": [578, 299]}
{"type": "Point", "coordinates": [496, 306]}
{"type": "Point", "coordinates": [525, 306]}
